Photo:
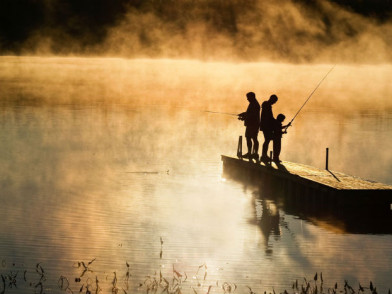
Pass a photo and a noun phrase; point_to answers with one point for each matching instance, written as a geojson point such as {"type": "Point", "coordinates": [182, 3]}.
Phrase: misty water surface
{"type": "Point", "coordinates": [101, 158]}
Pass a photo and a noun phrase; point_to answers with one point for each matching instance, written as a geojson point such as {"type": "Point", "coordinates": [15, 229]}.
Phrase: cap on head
{"type": "Point", "coordinates": [251, 95]}
{"type": "Point", "coordinates": [273, 98]}
{"type": "Point", "coordinates": [280, 117]}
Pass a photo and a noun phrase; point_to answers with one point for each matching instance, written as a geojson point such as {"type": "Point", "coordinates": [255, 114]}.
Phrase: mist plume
{"type": "Point", "coordinates": [240, 30]}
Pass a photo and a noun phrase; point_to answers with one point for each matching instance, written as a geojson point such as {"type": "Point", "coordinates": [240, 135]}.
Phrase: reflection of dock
{"type": "Point", "coordinates": [335, 201]}
{"type": "Point", "coordinates": [312, 183]}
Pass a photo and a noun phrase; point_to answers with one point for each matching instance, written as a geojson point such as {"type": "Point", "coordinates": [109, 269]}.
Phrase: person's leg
{"type": "Point", "coordinates": [256, 145]}
{"type": "Point", "coordinates": [248, 142]}
{"type": "Point", "coordinates": [255, 150]}
{"type": "Point", "coordinates": [277, 148]}
{"type": "Point", "coordinates": [249, 145]}
{"type": "Point", "coordinates": [267, 139]}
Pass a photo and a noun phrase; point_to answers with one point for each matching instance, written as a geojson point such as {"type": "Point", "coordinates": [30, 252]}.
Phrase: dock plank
{"type": "Point", "coordinates": [332, 179]}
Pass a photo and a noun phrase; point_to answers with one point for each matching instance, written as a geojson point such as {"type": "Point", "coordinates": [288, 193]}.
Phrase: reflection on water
{"type": "Point", "coordinates": [268, 218]}
{"type": "Point", "coordinates": [342, 213]}
{"type": "Point", "coordinates": [104, 182]}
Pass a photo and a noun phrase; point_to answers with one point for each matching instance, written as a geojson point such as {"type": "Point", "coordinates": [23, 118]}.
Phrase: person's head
{"type": "Point", "coordinates": [250, 96]}
{"type": "Point", "coordinates": [280, 117]}
{"type": "Point", "coordinates": [273, 99]}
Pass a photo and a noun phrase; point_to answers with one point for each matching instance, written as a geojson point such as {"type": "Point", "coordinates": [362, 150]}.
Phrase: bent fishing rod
{"type": "Point", "coordinates": [311, 94]}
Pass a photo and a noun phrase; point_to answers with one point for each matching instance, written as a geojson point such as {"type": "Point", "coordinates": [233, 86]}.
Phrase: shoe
{"type": "Point", "coordinates": [246, 155]}
{"type": "Point", "coordinates": [277, 160]}
{"type": "Point", "coordinates": [255, 156]}
{"type": "Point", "coordinates": [265, 158]}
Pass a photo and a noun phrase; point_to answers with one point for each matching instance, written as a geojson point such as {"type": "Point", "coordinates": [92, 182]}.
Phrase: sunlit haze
{"type": "Point", "coordinates": [113, 119]}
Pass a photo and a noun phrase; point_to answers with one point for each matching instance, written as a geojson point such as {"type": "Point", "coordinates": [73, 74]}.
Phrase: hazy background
{"type": "Point", "coordinates": [111, 138]}
{"type": "Point", "coordinates": [278, 30]}
{"type": "Point", "coordinates": [350, 113]}
{"type": "Point", "coordinates": [100, 157]}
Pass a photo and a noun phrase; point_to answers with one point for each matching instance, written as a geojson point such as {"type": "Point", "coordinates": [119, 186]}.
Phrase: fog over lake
{"type": "Point", "coordinates": [117, 162]}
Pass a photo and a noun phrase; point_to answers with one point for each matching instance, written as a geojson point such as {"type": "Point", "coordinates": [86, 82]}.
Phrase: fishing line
{"type": "Point", "coordinates": [311, 94]}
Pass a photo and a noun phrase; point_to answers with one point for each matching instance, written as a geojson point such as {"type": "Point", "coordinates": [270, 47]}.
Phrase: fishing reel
{"type": "Point", "coordinates": [285, 128]}
{"type": "Point", "coordinates": [241, 116]}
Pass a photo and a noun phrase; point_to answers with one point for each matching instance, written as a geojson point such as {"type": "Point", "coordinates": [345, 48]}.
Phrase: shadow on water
{"type": "Point", "coordinates": [342, 213]}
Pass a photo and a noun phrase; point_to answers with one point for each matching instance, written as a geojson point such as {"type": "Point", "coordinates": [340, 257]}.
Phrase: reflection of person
{"type": "Point", "coordinates": [269, 223]}
{"type": "Point", "coordinates": [266, 124]}
{"type": "Point", "coordinates": [278, 131]}
{"type": "Point", "coordinates": [251, 120]}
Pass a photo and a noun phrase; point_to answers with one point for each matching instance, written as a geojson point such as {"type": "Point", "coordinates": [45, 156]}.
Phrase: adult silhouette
{"type": "Point", "coordinates": [267, 124]}
{"type": "Point", "coordinates": [251, 120]}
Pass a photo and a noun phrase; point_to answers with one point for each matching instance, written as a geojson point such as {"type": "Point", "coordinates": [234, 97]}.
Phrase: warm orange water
{"type": "Point", "coordinates": [102, 157]}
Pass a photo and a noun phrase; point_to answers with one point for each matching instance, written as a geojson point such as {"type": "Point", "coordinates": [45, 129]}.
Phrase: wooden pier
{"type": "Point", "coordinates": [309, 184]}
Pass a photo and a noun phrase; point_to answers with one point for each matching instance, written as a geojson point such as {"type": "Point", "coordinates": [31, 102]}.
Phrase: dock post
{"type": "Point", "coordinates": [326, 158]}
{"type": "Point", "coordinates": [239, 147]}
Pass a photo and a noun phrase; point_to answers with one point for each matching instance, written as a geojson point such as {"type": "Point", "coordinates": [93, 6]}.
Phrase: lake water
{"type": "Point", "coordinates": [117, 162]}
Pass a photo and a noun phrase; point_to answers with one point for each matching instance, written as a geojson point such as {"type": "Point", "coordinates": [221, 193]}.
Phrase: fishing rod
{"type": "Point", "coordinates": [217, 112]}
{"type": "Point", "coordinates": [311, 94]}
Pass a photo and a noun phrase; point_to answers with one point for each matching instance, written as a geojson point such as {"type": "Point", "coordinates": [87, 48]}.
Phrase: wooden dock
{"type": "Point", "coordinates": [305, 182]}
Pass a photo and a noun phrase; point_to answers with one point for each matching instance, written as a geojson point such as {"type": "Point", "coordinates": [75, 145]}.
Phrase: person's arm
{"type": "Point", "coordinates": [284, 128]}
{"type": "Point", "coordinates": [242, 116]}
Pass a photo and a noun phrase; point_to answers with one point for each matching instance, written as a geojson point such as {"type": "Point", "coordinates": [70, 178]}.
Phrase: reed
{"type": "Point", "coordinates": [176, 283]}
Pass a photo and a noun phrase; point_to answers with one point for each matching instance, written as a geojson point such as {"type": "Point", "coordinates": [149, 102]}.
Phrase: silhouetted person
{"type": "Point", "coordinates": [266, 124]}
{"type": "Point", "coordinates": [251, 120]}
{"type": "Point", "coordinates": [278, 131]}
